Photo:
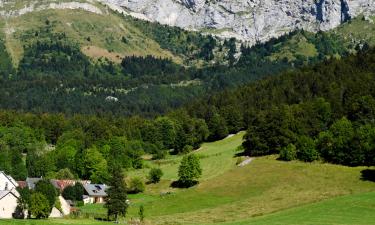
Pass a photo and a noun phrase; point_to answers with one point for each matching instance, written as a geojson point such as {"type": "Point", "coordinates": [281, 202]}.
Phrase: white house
{"type": "Point", "coordinates": [8, 196]}
{"type": "Point", "coordinates": [7, 182]}
{"type": "Point", "coordinates": [94, 193]}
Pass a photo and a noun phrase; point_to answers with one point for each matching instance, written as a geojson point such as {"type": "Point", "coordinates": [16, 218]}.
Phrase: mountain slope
{"type": "Point", "coordinates": [250, 20]}
{"type": "Point", "coordinates": [99, 31]}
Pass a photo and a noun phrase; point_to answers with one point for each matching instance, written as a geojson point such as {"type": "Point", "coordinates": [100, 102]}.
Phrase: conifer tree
{"type": "Point", "coordinates": [116, 203]}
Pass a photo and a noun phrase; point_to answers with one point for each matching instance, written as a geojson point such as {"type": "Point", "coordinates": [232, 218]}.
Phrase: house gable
{"type": "Point", "coordinates": [7, 182]}
{"type": "Point", "coordinates": [8, 204]}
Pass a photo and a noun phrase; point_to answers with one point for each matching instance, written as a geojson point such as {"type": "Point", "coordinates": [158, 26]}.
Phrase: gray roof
{"type": "Point", "coordinates": [96, 190]}
{"type": "Point", "coordinates": [31, 182]}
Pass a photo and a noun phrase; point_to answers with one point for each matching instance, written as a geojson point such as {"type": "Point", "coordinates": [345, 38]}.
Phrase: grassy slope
{"type": "Point", "coordinates": [297, 45]}
{"type": "Point", "coordinates": [347, 210]}
{"type": "Point", "coordinates": [357, 30]}
{"type": "Point", "coordinates": [105, 34]}
{"type": "Point", "coordinates": [216, 158]}
{"type": "Point", "coordinates": [229, 193]}
{"type": "Point", "coordinates": [232, 193]}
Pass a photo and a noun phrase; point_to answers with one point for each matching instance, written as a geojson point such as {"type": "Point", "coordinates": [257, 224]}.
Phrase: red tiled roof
{"type": "Point", "coordinates": [62, 184]}
{"type": "Point", "coordinates": [22, 184]}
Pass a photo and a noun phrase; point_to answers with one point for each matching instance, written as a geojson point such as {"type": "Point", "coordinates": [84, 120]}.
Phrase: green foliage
{"type": "Point", "coordinates": [58, 204]}
{"type": "Point", "coordinates": [288, 153]}
{"type": "Point", "coordinates": [74, 193]}
{"type": "Point", "coordinates": [39, 206]}
{"type": "Point", "coordinates": [65, 174]}
{"type": "Point", "coordinates": [136, 185]}
{"type": "Point", "coordinates": [95, 165]}
{"type": "Point", "coordinates": [306, 149]}
{"type": "Point", "coordinates": [187, 149]}
{"type": "Point", "coordinates": [155, 175]}
{"type": "Point", "coordinates": [23, 203]}
{"type": "Point", "coordinates": [116, 202]}
{"type": "Point", "coordinates": [189, 170]}
{"type": "Point", "coordinates": [45, 188]}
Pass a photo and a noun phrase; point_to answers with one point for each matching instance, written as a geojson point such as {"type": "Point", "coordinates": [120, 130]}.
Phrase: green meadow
{"type": "Point", "coordinates": [266, 191]}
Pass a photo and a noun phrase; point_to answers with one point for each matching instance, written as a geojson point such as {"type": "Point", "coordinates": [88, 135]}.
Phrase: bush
{"type": "Point", "coordinates": [154, 175]}
{"type": "Point", "coordinates": [39, 206]}
{"type": "Point", "coordinates": [189, 171]}
{"type": "Point", "coordinates": [160, 154]}
{"type": "Point", "coordinates": [136, 185]}
{"type": "Point", "coordinates": [187, 149]}
{"type": "Point", "coordinates": [288, 153]}
{"type": "Point", "coordinates": [74, 193]}
{"type": "Point", "coordinates": [306, 149]}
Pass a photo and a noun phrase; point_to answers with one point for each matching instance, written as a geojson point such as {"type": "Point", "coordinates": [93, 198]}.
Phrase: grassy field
{"type": "Point", "coordinates": [230, 193]}
{"type": "Point", "coordinates": [347, 210]}
{"type": "Point", "coordinates": [266, 191]}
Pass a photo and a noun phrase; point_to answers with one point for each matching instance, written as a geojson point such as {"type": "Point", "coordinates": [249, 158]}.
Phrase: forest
{"type": "Point", "coordinates": [321, 112]}
{"type": "Point", "coordinates": [54, 76]}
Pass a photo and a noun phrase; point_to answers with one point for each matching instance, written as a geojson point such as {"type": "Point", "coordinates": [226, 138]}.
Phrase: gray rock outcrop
{"type": "Point", "coordinates": [251, 20]}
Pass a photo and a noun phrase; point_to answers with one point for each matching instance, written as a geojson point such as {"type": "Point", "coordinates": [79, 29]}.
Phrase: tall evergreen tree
{"type": "Point", "coordinates": [116, 200]}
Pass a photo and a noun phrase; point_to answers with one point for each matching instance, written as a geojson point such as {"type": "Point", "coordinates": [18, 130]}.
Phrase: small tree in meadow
{"type": "Point", "coordinates": [189, 171]}
{"type": "Point", "coordinates": [136, 185]}
{"type": "Point", "coordinates": [155, 175]}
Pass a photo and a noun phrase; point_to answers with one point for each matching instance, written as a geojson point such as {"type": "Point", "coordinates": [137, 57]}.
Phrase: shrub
{"type": "Point", "coordinates": [160, 154]}
{"type": "Point", "coordinates": [288, 153]}
{"type": "Point", "coordinates": [74, 193]}
{"type": "Point", "coordinates": [154, 175]}
{"type": "Point", "coordinates": [187, 149]}
{"type": "Point", "coordinates": [39, 206]}
{"type": "Point", "coordinates": [306, 149]}
{"type": "Point", "coordinates": [136, 185]}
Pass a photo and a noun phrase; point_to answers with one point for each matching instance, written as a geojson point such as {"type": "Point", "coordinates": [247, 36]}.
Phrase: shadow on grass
{"type": "Point", "coordinates": [368, 175]}
{"type": "Point", "coordinates": [179, 184]}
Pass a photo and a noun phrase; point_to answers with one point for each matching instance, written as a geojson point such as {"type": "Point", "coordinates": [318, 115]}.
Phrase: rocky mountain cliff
{"type": "Point", "coordinates": [251, 20]}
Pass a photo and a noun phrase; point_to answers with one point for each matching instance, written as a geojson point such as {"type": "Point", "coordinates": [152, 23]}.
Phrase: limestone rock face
{"type": "Point", "coordinates": [251, 20]}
